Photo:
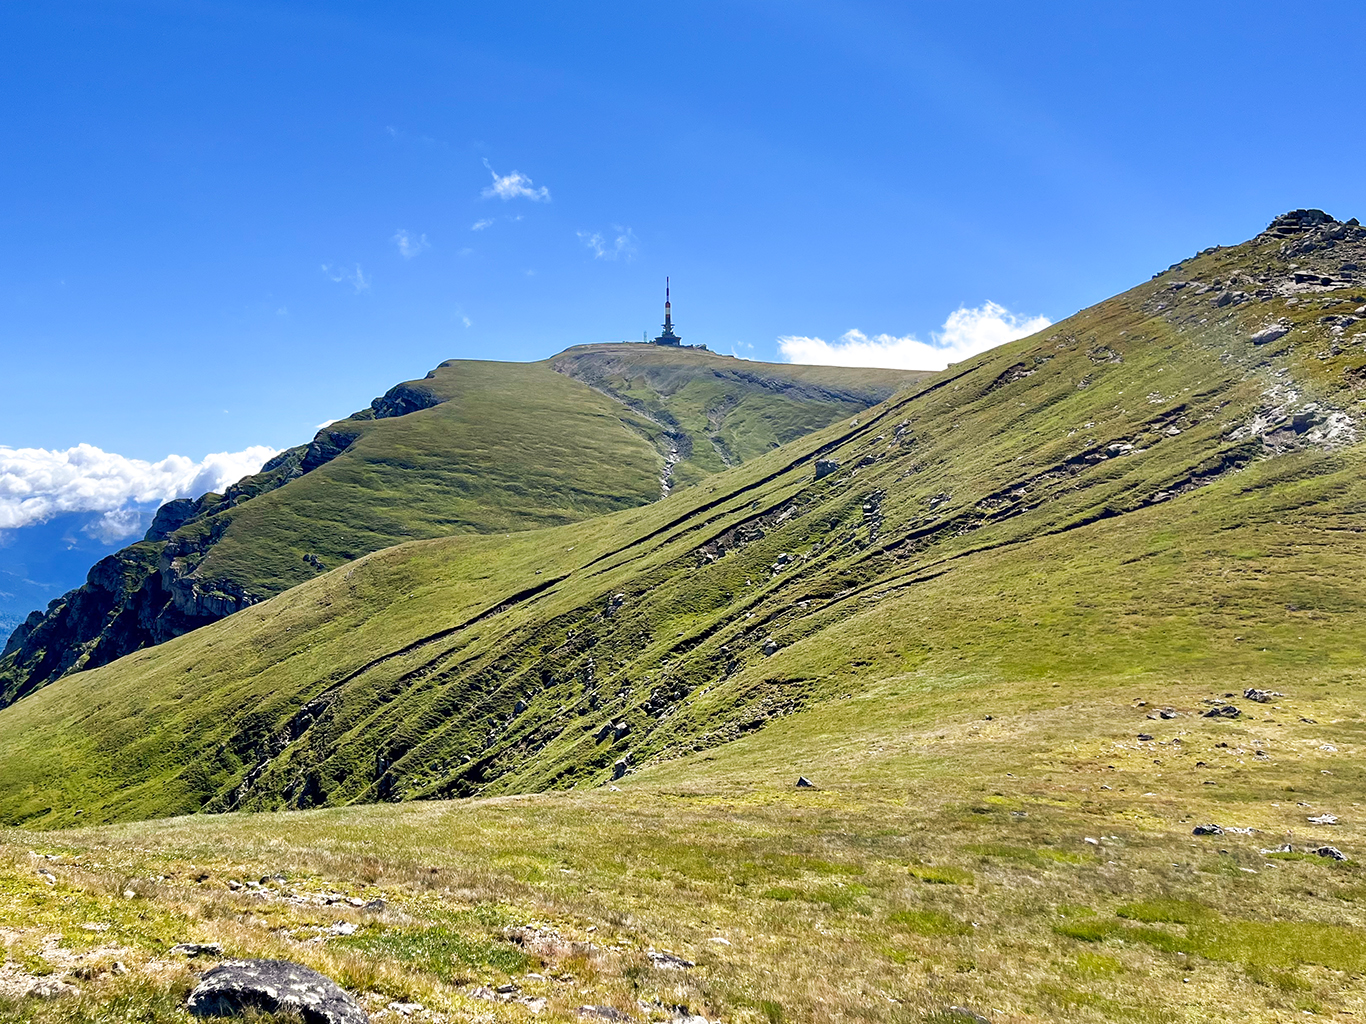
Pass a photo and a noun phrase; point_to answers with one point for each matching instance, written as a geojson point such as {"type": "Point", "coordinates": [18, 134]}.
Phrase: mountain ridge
{"type": "Point", "coordinates": [1140, 446]}
{"type": "Point", "coordinates": [474, 446]}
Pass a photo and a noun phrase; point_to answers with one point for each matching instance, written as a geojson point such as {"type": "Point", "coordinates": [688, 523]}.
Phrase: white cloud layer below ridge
{"type": "Point", "coordinates": [966, 332]}
{"type": "Point", "coordinates": [37, 484]}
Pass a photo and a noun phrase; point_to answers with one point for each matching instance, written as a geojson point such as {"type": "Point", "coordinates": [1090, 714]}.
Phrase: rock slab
{"type": "Point", "coordinates": [236, 987]}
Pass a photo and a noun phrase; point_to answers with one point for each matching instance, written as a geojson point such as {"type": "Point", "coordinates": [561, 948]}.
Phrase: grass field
{"type": "Point", "coordinates": [1004, 622]}
{"type": "Point", "coordinates": [1035, 866]}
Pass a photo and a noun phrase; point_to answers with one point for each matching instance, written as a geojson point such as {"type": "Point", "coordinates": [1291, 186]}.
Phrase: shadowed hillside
{"type": "Point", "coordinates": [475, 447]}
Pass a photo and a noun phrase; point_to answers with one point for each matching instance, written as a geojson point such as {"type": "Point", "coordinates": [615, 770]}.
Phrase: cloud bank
{"type": "Point", "coordinates": [514, 185]}
{"type": "Point", "coordinates": [37, 484]}
{"type": "Point", "coordinates": [966, 332]}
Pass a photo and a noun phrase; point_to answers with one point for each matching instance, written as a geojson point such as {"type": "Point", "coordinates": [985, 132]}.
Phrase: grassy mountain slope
{"type": "Point", "coordinates": [1007, 619]}
{"type": "Point", "coordinates": [475, 447]}
{"type": "Point", "coordinates": [1121, 497]}
{"type": "Point", "coordinates": [711, 411]}
{"type": "Point", "coordinates": [996, 652]}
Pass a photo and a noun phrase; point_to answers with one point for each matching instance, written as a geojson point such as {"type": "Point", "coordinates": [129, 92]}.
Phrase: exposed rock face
{"type": "Point", "coordinates": [401, 400]}
{"type": "Point", "coordinates": [171, 517]}
{"type": "Point", "coordinates": [326, 445]}
{"type": "Point", "coordinates": [151, 592]}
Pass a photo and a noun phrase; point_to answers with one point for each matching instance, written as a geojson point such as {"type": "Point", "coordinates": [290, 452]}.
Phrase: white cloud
{"type": "Point", "coordinates": [356, 278]}
{"type": "Point", "coordinates": [37, 484]}
{"type": "Point", "coordinates": [116, 525]}
{"type": "Point", "coordinates": [966, 332]}
{"type": "Point", "coordinates": [481, 224]}
{"type": "Point", "coordinates": [408, 245]}
{"type": "Point", "coordinates": [623, 245]}
{"type": "Point", "coordinates": [467, 321]}
{"type": "Point", "coordinates": [514, 185]}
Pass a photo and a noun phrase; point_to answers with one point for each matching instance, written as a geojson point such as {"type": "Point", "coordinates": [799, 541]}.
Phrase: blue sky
{"type": "Point", "coordinates": [225, 223]}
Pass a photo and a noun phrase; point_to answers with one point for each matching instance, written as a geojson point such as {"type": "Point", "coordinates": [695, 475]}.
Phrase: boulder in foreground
{"type": "Point", "coordinates": [236, 987]}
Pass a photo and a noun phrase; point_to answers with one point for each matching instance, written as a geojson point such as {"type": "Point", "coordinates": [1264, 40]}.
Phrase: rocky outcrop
{"type": "Point", "coordinates": [402, 399]}
{"type": "Point", "coordinates": [171, 517]}
{"type": "Point", "coordinates": [327, 444]}
{"type": "Point", "coordinates": [150, 592]}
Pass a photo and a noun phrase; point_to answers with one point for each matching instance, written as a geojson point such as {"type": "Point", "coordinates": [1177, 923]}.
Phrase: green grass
{"type": "Point", "coordinates": [512, 446]}
{"type": "Point", "coordinates": [439, 951]}
{"type": "Point", "coordinates": [966, 690]}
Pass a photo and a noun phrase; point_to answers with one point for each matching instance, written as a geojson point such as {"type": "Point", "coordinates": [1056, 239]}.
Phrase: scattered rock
{"type": "Point", "coordinates": [720, 940]}
{"type": "Point", "coordinates": [1324, 819]}
{"type": "Point", "coordinates": [1144, 737]}
{"type": "Point", "coordinates": [51, 988]}
{"type": "Point", "coordinates": [603, 1013]}
{"type": "Point", "coordinates": [1332, 852]}
{"type": "Point", "coordinates": [118, 967]}
{"type": "Point", "coordinates": [964, 1014]}
{"type": "Point", "coordinates": [405, 1009]}
{"type": "Point", "coordinates": [1207, 830]}
{"type": "Point", "coordinates": [669, 961]}
{"type": "Point", "coordinates": [1269, 334]}
{"type": "Point", "coordinates": [1261, 696]}
{"type": "Point", "coordinates": [237, 987]}
{"type": "Point", "coordinates": [343, 928]}
{"type": "Point", "coordinates": [804, 783]}
{"type": "Point", "coordinates": [375, 907]}
{"type": "Point", "coordinates": [1226, 711]}
{"type": "Point", "coordinates": [824, 467]}
{"type": "Point", "coordinates": [619, 769]}
{"type": "Point", "coordinates": [197, 949]}
{"type": "Point", "coordinates": [770, 647]}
